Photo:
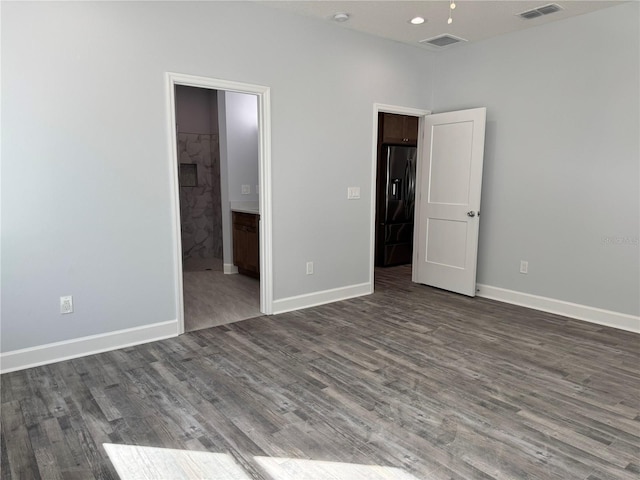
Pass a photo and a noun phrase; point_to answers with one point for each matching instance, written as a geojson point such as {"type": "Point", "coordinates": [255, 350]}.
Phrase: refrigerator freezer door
{"type": "Point", "coordinates": [398, 233]}
{"type": "Point", "coordinates": [394, 232]}
{"type": "Point", "coordinates": [401, 174]}
{"type": "Point", "coordinates": [399, 254]}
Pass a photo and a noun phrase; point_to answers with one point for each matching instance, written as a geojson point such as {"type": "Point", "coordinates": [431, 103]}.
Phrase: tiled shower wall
{"type": "Point", "coordinates": [200, 206]}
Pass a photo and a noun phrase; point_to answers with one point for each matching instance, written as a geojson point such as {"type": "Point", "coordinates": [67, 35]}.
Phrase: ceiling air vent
{"type": "Point", "coordinates": [442, 40]}
{"type": "Point", "coordinates": [530, 14]}
{"type": "Point", "coordinates": [538, 12]}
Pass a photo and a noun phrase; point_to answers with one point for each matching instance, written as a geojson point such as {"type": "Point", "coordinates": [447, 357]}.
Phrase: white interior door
{"type": "Point", "coordinates": [449, 180]}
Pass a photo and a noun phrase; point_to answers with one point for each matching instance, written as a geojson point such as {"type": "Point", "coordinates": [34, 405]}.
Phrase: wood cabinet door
{"type": "Point", "coordinates": [411, 129]}
{"type": "Point", "coordinates": [399, 129]}
{"type": "Point", "coordinates": [246, 244]}
{"type": "Point", "coordinates": [392, 128]}
{"type": "Point", "coordinates": [252, 258]}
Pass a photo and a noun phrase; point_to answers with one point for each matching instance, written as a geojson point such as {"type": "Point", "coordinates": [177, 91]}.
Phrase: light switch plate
{"type": "Point", "coordinates": [246, 189]}
{"type": "Point", "coordinates": [353, 193]}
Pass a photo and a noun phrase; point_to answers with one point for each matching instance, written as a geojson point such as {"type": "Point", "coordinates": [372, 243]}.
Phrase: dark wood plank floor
{"type": "Point", "coordinates": [435, 384]}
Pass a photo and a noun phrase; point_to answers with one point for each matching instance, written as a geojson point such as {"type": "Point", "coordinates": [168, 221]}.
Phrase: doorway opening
{"type": "Point", "coordinates": [220, 164]}
{"type": "Point", "coordinates": [199, 174]}
{"type": "Point", "coordinates": [397, 135]}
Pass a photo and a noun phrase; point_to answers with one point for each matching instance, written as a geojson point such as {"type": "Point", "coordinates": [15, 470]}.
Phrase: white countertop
{"type": "Point", "coordinates": [245, 207]}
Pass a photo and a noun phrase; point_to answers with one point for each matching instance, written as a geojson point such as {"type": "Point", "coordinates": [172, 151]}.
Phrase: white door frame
{"type": "Point", "coordinates": [264, 179]}
{"type": "Point", "coordinates": [377, 108]}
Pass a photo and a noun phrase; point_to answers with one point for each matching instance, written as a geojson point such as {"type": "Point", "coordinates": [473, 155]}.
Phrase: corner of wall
{"type": "Point", "coordinates": [224, 178]}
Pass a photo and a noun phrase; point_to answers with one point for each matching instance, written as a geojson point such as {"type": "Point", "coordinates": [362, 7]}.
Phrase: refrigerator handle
{"type": "Point", "coordinates": [395, 188]}
{"type": "Point", "coordinates": [409, 189]}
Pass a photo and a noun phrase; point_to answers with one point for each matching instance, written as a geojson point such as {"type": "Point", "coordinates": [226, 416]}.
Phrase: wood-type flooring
{"type": "Point", "coordinates": [408, 383]}
{"type": "Point", "coordinates": [212, 298]}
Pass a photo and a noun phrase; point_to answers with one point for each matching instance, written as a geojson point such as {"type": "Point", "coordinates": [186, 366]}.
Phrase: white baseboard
{"type": "Point", "coordinates": [319, 298]}
{"type": "Point", "coordinates": [230, 268]}
{"type": "Point", "coordinates": [608, 318]}
{"type": "Point", "coordinates": [79, 347]}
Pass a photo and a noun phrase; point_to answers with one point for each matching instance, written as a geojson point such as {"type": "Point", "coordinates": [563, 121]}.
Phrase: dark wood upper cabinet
{"type": "Point", "coordinates": [397, 129]}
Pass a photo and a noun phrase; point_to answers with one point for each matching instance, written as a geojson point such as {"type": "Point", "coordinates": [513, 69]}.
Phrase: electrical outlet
{"type": "Point", "coordinates": [353, 193]}
{"type": "Point", "coordinates": [246, 189]}
{"type": "Point", "coordinates": [524, 266]}
{"type": "Point", "coordinates": [309, 268]}
{"type": "Point", "coordinates": [66, 304]}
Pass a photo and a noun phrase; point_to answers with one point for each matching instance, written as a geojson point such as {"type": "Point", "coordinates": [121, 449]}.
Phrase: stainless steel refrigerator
{"type": "Point", "coordinates": [395, 205]}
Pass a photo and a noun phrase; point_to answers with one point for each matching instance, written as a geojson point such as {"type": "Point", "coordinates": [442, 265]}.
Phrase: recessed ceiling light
{"type": "Point", "coordinates": [417, 21]}
{"type": "Point", "coordinates": [341, 17]}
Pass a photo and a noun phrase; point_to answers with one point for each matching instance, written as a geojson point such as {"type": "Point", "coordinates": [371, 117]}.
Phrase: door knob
{"type": "Point", "coordinates": [471, 213]}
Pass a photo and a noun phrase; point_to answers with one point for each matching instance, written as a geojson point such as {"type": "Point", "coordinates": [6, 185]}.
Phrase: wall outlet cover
{"type": "Point", "coordinates": [66, 304]}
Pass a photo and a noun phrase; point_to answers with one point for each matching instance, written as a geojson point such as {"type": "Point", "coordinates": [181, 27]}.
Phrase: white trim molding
{"type": "Point", "coordinates": [320, 298]}
{"type": "Point", "coordinates": [599, 316]}
{"type": "Point", "coordinates": [378, 108]}
{"type": "Point", "coordinates": [80, 347]}
{"type": "Point", "coordinates": [230, 269]}
{"type": "Point", "coordinates": [383, 107]}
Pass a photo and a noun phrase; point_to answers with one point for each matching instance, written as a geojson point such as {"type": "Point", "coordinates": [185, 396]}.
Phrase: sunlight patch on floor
{"type": "Point", "coordinates": [150, 463]}
{"type": "Point", "coordinates": [300, 469]}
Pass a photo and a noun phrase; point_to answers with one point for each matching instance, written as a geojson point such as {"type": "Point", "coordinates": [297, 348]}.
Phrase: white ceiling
{"type": "Point", "coordinates": [473, 20]}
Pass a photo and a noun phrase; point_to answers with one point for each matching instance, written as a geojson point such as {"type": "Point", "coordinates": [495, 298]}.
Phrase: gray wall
{"type": "Point", "coordinates": [86, 204]}
{"type": "Point", "coordinates": [242, 144]}
{"type": "Point", "coordinates": [238, 118]}
{"type": "Point", "coordinates": [561, 178]}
